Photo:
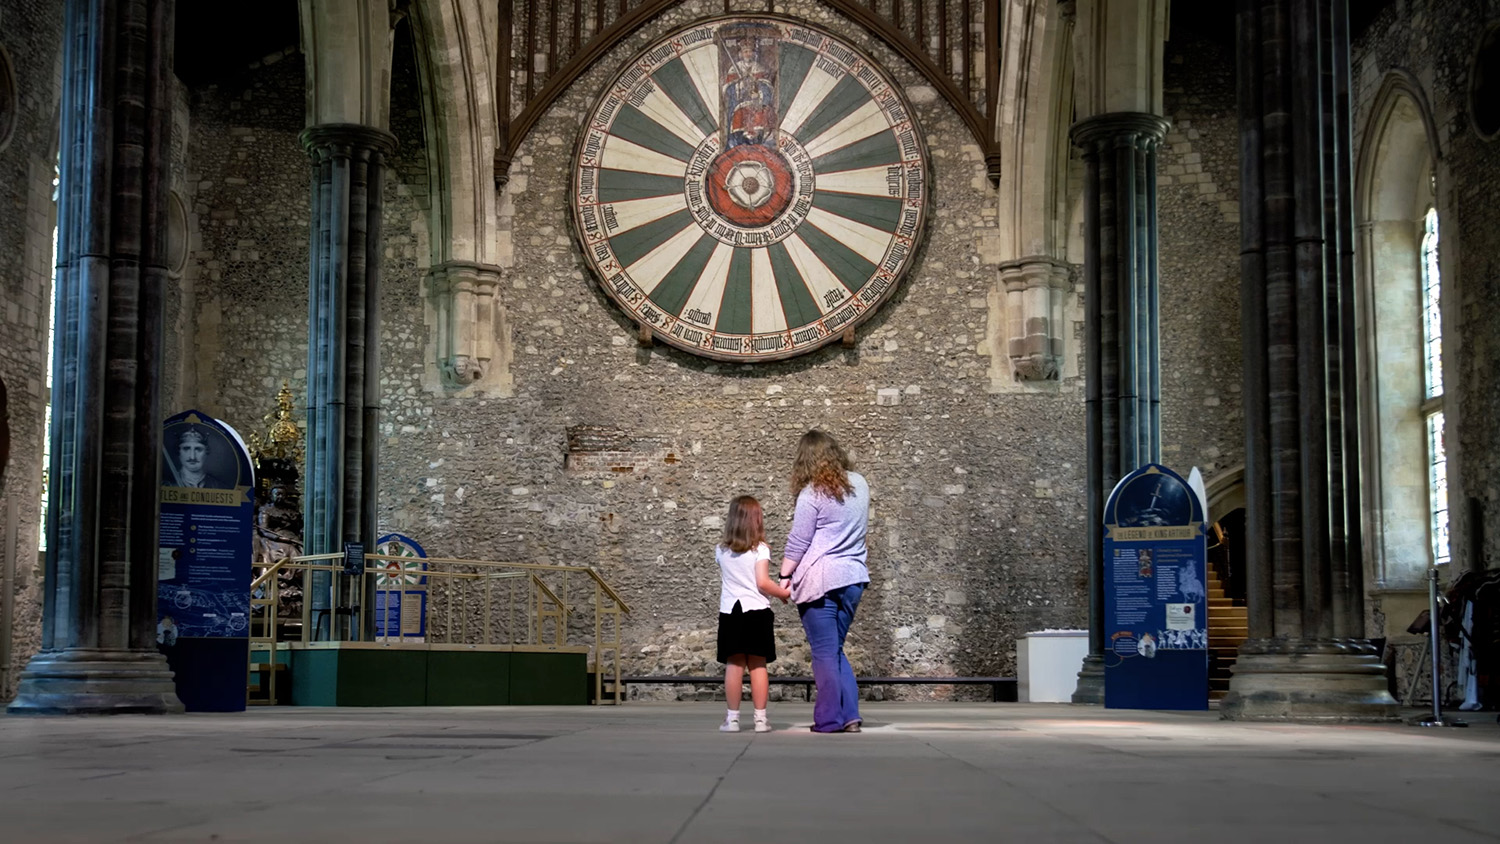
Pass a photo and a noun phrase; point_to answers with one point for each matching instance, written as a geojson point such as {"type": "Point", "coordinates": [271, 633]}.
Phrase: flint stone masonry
{"type": "Point", "coordinates": [735, 432]}
{"type": "Point", "coordinates": [31, 34]}
{"type": "Point", "coordinates": [1202, 423]}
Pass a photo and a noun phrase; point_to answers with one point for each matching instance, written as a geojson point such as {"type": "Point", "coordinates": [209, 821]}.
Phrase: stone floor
{"type": "Point", "coordinates": [660, 772]}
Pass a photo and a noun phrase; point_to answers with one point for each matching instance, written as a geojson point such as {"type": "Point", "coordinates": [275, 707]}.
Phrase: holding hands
{"type": "Point", "coordinates": [781, 588]}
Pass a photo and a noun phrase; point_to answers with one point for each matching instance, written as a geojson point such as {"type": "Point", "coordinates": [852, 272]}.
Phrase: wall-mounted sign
{"type": "Point", "coordinates": [1155, 601]}
{"type": "Point", "coordinates": [203, 560]}
{"type": "Point", "coordinates": [750, 187]}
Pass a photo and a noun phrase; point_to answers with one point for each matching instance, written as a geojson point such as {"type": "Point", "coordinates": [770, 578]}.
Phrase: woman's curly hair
{"type": "Point", "coordinates": [822, 464]}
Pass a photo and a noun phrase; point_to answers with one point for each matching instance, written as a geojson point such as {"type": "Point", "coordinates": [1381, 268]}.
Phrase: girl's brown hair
{"type": "Point", "coordinates": [745, 527]}
{"type": "Point", "coordinates": [823, 464]}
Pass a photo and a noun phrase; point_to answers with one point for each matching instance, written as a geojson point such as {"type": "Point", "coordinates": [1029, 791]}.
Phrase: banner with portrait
{"type": "Point", "coordinates": [203, 559]}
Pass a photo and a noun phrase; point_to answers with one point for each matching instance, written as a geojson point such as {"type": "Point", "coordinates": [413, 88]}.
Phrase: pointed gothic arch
{"type": "Point", "coordinates": [1395, 186]}
{"type": "Point", "coordinates": [455, 69]}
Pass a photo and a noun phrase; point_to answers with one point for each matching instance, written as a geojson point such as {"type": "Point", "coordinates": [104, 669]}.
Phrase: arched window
{"type": "Point", "coordinates": [1404, 473]}
{"type": "Point", "coordinates": [1432, 406]}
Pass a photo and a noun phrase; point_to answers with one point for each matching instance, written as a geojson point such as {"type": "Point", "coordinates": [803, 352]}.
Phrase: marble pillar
{"type": "Point", "coordinates": [343, 357]}
{"type": "Point", "coordinates": [99, 614]}
{"type": "Point", "coordinates": [1121, 350]}
{"type": "Point", "coordinates": [1307, 656]}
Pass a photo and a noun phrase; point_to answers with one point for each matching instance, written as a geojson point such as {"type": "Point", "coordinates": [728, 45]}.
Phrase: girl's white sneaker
{"type": "Point", "coordinates": [730, 725]}
{"type": "Point", "coordinates": [762, 726]}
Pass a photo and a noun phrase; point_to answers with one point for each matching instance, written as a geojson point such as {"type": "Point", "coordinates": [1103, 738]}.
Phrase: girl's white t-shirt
{"type": "Point", "coordinates": [737, 578]}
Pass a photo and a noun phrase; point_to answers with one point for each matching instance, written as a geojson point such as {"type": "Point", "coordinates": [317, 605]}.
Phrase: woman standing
{"type": "Point", "coordinates": [825, 562]}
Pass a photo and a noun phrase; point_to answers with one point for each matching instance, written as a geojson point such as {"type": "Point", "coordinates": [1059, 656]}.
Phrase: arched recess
{"type": "Point", "coordinates": [971, 89]}
{"type": "Point", "coordinates": [1226, 492]}
{"type": "Point", "coordinates": [1395, 180]}
{"type": "Point", "coordinates": [455, 74]}
{"type": "Point", "coordinates": [1032, 311]}
{"type": "Point", "coordinates": [455, 67]}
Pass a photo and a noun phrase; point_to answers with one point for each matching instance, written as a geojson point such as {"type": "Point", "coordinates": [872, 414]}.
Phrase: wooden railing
{"type": "Point", "coordinates": [545, 45]}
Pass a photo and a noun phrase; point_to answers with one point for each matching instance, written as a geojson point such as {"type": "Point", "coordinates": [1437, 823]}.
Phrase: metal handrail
{"type": "Point", "coordinates": [592, 572]}
{"type": "Point", "coordinates": [606, 602]}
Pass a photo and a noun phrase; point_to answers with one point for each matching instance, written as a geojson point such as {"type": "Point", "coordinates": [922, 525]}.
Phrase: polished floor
{"type": "Point", "coordinates": [661, 772]}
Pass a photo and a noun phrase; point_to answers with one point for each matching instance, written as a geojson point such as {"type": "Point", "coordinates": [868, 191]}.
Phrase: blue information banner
{"type": "Point", "coordinates": [1155, 598]}
{"type": "Point", "coordinates": [203, 561]}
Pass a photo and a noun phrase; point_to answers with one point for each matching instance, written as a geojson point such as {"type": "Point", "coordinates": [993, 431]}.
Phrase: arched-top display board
{"type": "Point", "coordinates": [750, 187]}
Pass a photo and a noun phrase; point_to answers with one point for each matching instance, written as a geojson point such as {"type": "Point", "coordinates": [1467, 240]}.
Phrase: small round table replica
{"type": "Point", "coordinates": [750, 188]}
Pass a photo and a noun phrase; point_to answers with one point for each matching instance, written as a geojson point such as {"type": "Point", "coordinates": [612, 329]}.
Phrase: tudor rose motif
{"type": "Point", "coordinates": [750, 187]}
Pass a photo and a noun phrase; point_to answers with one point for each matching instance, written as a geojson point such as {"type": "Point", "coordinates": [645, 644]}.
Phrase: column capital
{"type": "Point", "coordinates": [1036, 271]}
{"type": "Point", "coordinates": [469, 270]}
{"type": "Point", "coordinates": [465, 298]}
{"type": "Point", "coordinates": [1119, 128]}
{"type": "Point", "coordinates": [346, 138]}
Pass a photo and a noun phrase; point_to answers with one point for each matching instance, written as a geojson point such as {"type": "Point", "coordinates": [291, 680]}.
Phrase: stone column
{"type": "Point", "coordinates": [99, 612]}
{"type": "Point", "coordinates": [464, 297]}
{"type": "Point", "coordinates": [1035, 289]}
{"type": "Point", "coordinates": [1307, 657]}
{"type": "Point", "coordinates": [343, 350]}
{"type": "Point", "coordinates": [1121, 350]}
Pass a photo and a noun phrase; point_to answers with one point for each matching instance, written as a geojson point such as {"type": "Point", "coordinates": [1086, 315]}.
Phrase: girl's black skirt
{"type": "Point", "coordinates": [751, 633]}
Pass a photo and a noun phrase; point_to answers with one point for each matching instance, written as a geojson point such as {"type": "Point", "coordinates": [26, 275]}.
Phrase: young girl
{"type": "Point", "coordinates": [746, 636]}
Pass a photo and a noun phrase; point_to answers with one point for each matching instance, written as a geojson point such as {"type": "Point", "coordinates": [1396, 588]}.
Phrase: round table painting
{"type": "Point", "coordinates": [750, 188]}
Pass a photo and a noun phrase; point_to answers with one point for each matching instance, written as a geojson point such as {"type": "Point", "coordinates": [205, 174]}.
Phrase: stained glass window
{"type": "Point", "coordinates": [1432, 317]}
{"type": "Point", "coordinates": [1437, 484]}
{"type": "Point", "coordinates": [1432, 358]}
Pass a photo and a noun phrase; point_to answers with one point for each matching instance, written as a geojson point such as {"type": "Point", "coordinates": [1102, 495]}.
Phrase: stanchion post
{"type": "Point", "coordinates": [1436, 719]}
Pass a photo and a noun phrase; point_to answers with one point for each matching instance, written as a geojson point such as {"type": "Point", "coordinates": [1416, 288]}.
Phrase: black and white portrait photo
{"type": "Point", "coordinates": [199, 456]}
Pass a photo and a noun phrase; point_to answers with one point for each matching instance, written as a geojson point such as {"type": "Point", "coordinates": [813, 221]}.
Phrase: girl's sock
{"type": "Point", "coordinates": [734, 714]}
{"type": "Point", "coordinates": [760, 715]}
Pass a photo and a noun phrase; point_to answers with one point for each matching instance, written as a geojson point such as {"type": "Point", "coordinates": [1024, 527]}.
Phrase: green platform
{"type": "Point", "coordinates": [378, 674]}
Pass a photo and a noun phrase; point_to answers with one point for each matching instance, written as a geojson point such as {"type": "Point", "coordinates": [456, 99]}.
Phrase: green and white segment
{"type": "Point", "coordinates": [734, 290]}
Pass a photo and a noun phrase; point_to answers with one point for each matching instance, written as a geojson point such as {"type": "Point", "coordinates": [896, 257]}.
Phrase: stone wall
{"type": "Point", "coordinates": [30, 37]}
{"type": "Point", "coordinates": [244, 298]}
{"type": "Point", "coordinates": [977, 530]}
{"type": "Point", "coordinates": [1436, 41]}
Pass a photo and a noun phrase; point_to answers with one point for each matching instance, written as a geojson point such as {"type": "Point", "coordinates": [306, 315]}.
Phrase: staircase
{"type": "Point", "coordinates": [1228, 626]}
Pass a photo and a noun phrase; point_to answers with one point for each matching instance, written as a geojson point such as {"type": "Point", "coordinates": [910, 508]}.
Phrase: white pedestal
{"type": "Point", "coordinates": [1047, 665]}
